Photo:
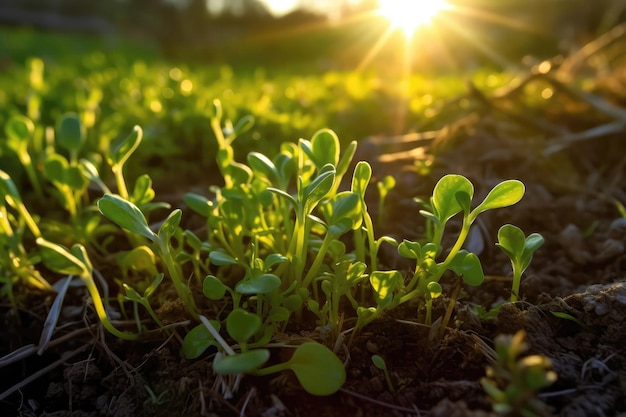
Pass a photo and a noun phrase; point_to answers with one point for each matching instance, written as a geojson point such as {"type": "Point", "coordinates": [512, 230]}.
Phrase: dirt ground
{"type": "Point", "coordinates": [574, 179]}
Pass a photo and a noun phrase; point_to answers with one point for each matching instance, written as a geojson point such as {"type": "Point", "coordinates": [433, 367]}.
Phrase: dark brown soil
{"type": "Point", "coordinates": [581, 270]}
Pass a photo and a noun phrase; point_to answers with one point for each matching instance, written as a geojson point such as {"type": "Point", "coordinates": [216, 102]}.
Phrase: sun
{"type": "Point", "coordinates": [409, 15]}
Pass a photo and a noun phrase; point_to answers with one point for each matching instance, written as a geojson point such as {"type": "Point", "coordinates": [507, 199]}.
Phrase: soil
{"type": "Point", "coordinates": [572, 186]}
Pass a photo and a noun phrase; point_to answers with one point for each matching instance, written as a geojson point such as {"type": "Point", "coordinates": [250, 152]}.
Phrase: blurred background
{"type": "Point", "coordinates": [326, 34]}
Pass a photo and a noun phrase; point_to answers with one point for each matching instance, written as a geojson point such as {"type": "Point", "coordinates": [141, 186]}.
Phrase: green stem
{"type": "Point", "coordinates": [101, 312]}
{"type": "Point", "coordinates": [373, 245]}
{"type": "Point", "coordinates": [517, 277]}
{"type": "Point", "coordinates": [181, 288]}
{"type": "Point", "coordinates": [318, 259]}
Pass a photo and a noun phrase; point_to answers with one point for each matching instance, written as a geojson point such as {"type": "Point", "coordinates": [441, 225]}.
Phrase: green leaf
{"type": "Point", "coordinates": [124, 150]}
{"type": "Point", "coordinates": [504, 194]}
{"type": "Point", "coordinates": [59, 259]}
{"type": "Point", "coordinates": [198, 203]}
{"type": "Point", "coordinates": [273, 259]}
{"type": "Point", "coordinates": [464, 200]}
{"type": "Point", "coordinates": [430, 217]}
{"type": "Point", "coordinates": [384, 283]}
{"type": "Point", "coordinates": [344, 162]}
{"type": "Point", "coordinates": [19, 130]}
{"type": "Point", "coordinates": [220, 258]}
{"type": "Point", "coordinates": [318, 188]}
{"type": "Point", "coordinates": [468, 265]}
{"type": "Point", "coordinates": [198, 340]}
{"type": "Point", "coordinates": [318, 369]}
{"type": "Point", "coordinates": [445, 201]}
{"type": "Point", "coordinates": [263, 167]}
{"type": "Point", "coordinates": [213, 288]}
{"type": "Point", "coordinates": [9, 189]}
{"type": "Point", "coordinates": [325, 148]}
{"type": "Point", "coordinates": [70, 133]}
{"type": "Point", "coordinates": [512, 241]}
{"type": "Point", "coordinates": [292, 302]}
{"type": "Point", "coordinates": [54, 168]}
{"type": "Point", "coordinates": [170, 224]}
{"type": "Point", "coordinates": [262, 284]}
{"type": "Point", "coordinates": [74, 178]}
{"type": "Point", "coordinates": [410, 250]}
{"type": "Point", "coordinates": [345, 210]}
{"type": "Point", "coordinates": [434, 289]}
{"type": "Point", "coordinates": [242, 325]}
{"type": "Point", "coordinates": [241, 363]}
{"type": "Point", "coordinates": [533, 242]}
{"type": "Point", "coordinates": [143, 192]}
{"type": "Point", "coordinates": [243, 125]}
{"type": "Point", "coordinates": [379, 362]}
{"type": "Point", "coordinates": [126, 215]}
{"type": "Point", "coordinates": [285, 195]}
{"type": "Point", "coordinates": [361, 178]}
{"type": "Point", "coordinates": [278, 314]}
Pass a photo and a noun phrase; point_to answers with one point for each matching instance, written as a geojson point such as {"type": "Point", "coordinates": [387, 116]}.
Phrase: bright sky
{"type": "Point", "coordinates": [280, 7]}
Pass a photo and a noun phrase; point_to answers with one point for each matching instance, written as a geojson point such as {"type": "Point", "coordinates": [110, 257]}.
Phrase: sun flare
{"type": "Point", "coordinates": [410, 15]}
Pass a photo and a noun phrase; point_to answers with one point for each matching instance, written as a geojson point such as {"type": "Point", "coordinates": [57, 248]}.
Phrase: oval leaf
{"type": "Point", "coordinates": [361, 178]}
{"type": "Point", "coordinates": [504, 194]}
{"type": "Point", "coordinates": [318, 188]}
{"type": "Point", "coordinates": [198, 340]}
{"type": "Point", "coordinates": [325, 148]}
{"type": "Point", "coordinates": [512, 241]}
{"type": "Point", "coordinates": [262, 284]}
{"type": "Point", "coordinates": [445, 201]}
{"type": "Point", "coordinates": [242, 363]}
{"type": "Point", "coordinates": [123, 151]}
{"type": "Point", "coordinates": [213, 288]}
{"type": "Point", "coordinates": [318, 369]}
{"type": "Point", "coordinates": [70, 133]}
{"type": "Point", "coordinates": [19, 129]}
{"type": "Point", "coordinates": [262, 166]}
{"type": "Point", "coordinates": [126, 215]}
{"type": "Point", "coordinates": [220, 258]}
{"type": "Point", "coordinates": [242, 325]}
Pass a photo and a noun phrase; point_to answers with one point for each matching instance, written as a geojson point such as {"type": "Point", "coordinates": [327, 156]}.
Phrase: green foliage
{"type": "Point", "coordinates": [281, 232]}
{"type": "Point", "coordinates": [519, 249]}
{"type": "Point", "coordinates": [514, 380]}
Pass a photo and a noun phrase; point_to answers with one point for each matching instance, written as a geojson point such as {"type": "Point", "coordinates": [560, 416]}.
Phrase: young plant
{"type": "Point", "coordinates": [317, 368]}
{"type": "Point", "coordinates": [127, 216]}
{"type": "Point", "coordinates": [513, 381]}
{"type": "Point", "coordinates": [16, 263]}
{"type": "Point", "coordinates": [380, 363]}
{"type": "Point", "coordinates": [520, 251]}
{"type": "Point", "coordinates": [20, 131]}
{"type": "Point", "coordinates": [76, 262]}
{"type": "Point", "coordinates": [452, 195]}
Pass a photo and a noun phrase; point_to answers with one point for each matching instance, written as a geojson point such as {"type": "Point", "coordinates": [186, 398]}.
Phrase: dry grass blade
{"type": "Point", "coordinates": [53, 314]}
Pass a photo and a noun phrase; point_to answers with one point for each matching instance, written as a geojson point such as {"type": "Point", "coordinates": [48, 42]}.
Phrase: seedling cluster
{"type": "Point", "coordinates": [283, 236]}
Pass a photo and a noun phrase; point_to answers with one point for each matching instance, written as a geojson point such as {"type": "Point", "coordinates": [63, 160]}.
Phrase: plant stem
{"type": "Point", "coordinates": [318, 259]}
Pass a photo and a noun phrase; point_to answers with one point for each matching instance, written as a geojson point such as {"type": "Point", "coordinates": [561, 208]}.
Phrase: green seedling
{"type": "Point", "coordinates": [128, 216]}
{"type": "Point", "coordinates": [20, 131]}
{"type": "Point", "coordinates": [384, 187]}
{"type": "Point", "coordinates": [76, 262]}
{"type": "Point", "coordinates": [520, 251]}
{"type": "Point", "coordinates": [569, 317]}
{"type": "Point", "coordinates": [199, 339]}
{"type": "Point", "coordinates": [16, 264]}
{"type": "Point", "coordinates": [70, 136]}
{"type": "Point", "coordinates": [133, 295]}
{"type": "Point", "coordinates": [119, 156]}
{"type": "Point", "coordinates": [317, 368]}
{"type": "Point", "coordinates": [380, 363]}
{"type": "Point", "coordinates": [513, 381]}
